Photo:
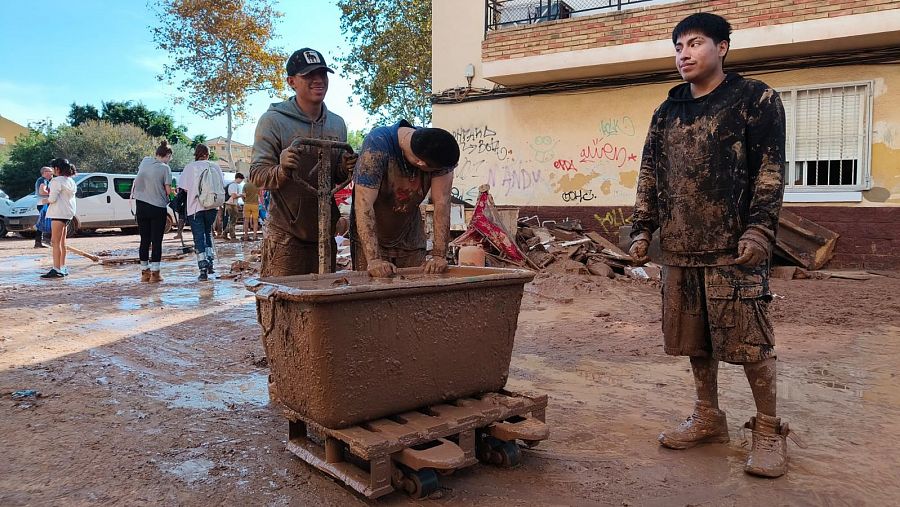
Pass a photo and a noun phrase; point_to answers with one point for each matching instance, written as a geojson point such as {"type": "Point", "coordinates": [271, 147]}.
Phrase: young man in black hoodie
{"type": "Point", "coordinates": [712, 182]}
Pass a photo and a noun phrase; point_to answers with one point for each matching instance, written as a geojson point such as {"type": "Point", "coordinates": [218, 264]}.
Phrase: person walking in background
{"type": "Point", "coordinates": [202, 217]}
{"type": "Point", "coordinates": [61, 209]}
{"type": "Point", "coordinates": [251, 209]}
{"type": "Point", "coordinates": [233, 205]}
{"type": "Point", "coordinates": [151, 190]}
{"type": "Point", "coordinates": [42, 190]}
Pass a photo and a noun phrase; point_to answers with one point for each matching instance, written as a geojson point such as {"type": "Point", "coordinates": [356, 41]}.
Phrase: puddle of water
{"type": "Point", "coordinates": [192, 470]}
{"type": "Point", "coordinates": [251, 389]}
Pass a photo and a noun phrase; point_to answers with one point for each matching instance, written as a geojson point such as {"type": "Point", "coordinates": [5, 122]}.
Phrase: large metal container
{"type": "Point", "coordinates": [345, 348]}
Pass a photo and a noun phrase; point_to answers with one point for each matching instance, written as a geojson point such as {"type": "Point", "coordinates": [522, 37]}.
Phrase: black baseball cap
{"type": "Point", "coordinates": [304, 61]}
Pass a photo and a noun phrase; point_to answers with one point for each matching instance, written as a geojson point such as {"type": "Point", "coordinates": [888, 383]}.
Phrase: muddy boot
{"type": "Point", "coordinates": [145, 275]}
{"type": "Point", "coordinates": [768, 454]}
{"type": "Point", "coordinates": [155, 277]}
{"type": "Point", "coordinates": [705, 425]}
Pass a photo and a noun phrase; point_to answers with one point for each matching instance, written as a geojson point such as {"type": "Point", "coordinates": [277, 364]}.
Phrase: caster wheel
{"type": "Point", "coordinates": [421, 484]}
{"type": "Point", "coordinates": [510, 455]}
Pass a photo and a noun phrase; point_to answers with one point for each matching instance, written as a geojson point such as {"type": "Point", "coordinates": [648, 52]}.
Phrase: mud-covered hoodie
{"type": "Point", "coordinates": [293, 210]}
{"type": "Point", "coordinates": [712, 167]}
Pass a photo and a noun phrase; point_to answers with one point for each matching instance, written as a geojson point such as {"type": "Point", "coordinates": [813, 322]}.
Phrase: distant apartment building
{"type": "Point", "coordinates": [550, 102]}
{"type": "Point", "coordinates": [242, 154]}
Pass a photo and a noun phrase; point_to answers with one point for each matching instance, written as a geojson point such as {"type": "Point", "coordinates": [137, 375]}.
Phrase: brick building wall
{"type": "Point", "coordinates": [869, 236]}
{"type": "Point", "coordinates": [655, 23]}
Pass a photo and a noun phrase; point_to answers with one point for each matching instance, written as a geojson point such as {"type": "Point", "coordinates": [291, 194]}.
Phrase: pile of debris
{"type": "Point", "coordinates": [565, 247]}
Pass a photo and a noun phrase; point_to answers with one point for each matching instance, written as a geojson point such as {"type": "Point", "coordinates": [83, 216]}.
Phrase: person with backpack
{"type": "Point", "coordinates": [205, 186]}
{"type": "Point", "coordinates": [151, 191]}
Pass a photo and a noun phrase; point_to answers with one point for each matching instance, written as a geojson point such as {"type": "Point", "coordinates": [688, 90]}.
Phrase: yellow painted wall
{"type": "Point", "coordinates": [9, 130]}
{"type": "Point", "coordinates": [585, 148]}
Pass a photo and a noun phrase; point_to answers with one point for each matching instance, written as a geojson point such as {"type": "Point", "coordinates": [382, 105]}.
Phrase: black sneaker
{"type": "Point", "coordinates": [203, 276]}
{"type": "Point", "coordinates": [40, 245]}
{"type": "Point", "coordinates": [53, 273]}
{"type": "Point", "coordinates": [209, 268]}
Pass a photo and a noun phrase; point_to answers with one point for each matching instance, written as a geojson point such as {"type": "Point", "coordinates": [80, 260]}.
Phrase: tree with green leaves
{"type": "Point", "coordinates": [355, 139]}
{"type": "Point", "coordinates": [220, 52]}
{"type": "Point", "coordinates": [25, 158]}
{"type": "Point", "coordinates": [390, 52]}
{"type": "Point", "coordinates": [154, 123]}
{"type": "Point", "coordinates": [100, 146]}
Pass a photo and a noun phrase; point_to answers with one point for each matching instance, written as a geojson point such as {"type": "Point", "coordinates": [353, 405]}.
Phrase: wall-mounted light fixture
{"type": "Point", "coordinates": [469, 73]}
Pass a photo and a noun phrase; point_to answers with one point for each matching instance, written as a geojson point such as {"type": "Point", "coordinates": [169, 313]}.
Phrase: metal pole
{"type": "Point", "coordinates": [324, 193]}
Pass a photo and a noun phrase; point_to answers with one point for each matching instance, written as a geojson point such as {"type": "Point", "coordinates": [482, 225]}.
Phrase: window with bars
{"type": "Point", "coordinates": [827, 130]}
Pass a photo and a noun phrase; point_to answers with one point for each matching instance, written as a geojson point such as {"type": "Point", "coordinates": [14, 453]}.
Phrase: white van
{"type": "Point", "coordinates": [102, 201]}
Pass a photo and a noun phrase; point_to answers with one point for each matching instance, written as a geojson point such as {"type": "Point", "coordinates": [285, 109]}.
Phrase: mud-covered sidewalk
{"type": "Point", "coordinates": [156, 395]}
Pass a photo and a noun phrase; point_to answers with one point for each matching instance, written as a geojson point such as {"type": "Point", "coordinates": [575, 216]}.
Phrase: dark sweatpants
{"type": "Point", "coordinates": [151, 222]}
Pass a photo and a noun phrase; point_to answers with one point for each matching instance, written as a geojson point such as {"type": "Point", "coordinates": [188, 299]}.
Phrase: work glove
{"type": "Point", "coordinates": [348, 161]}
{"type": "Point", "coordinates": [640, 243]}
{"type": "Point", "coordinates": [754, 247]}
{"type": "Point", "coordinates": [289, 159]}
{"type": "Point", "coordinates": [381, 269]}
{"type": "Point", "coordinates": [435, 265]}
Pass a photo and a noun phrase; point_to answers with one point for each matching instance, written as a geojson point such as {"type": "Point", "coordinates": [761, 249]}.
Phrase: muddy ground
{"type": "Point", "coordinates": [155, 395]}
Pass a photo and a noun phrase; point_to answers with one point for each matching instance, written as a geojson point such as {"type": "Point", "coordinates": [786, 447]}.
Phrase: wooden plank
{"type": "Point", "coordinates": [390, 436]}
{"type": "Point", "coordinates": [345, 472]}
{"type": "Point", "coordinates": [803, 241]}
{"type": "Point", "coordinates": [605, 245]}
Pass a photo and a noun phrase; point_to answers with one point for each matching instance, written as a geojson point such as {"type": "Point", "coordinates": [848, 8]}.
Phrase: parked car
{"type": "Point", "coordinates": [5, 207]}
{"type": "Point", "coordinates": [102, 201]}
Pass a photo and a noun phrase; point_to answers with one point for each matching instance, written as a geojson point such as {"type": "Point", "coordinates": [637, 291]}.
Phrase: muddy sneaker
{"type": "Point", "coordinates": [203, 276]}
{"type": "Point", "coordinates": [768, 454]}
{"type": "Point", "coordinates": [705, 425]}
{"type": "Point", "coordinates": [155, 277]}
{"type": "Point", "coordinates": [145, 275]}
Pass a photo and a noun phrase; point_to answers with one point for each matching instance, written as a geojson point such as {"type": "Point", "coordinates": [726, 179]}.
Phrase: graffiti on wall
{"type": "Point", "coordinates": [547, 168]}
{"type": "Point", "coordinates": [613, 219]}
{"type": "Point", "coordinates": [481, 141]}
{"type": "Point", "coordinates": [599, 149]}
{"type": "Point", "coordinates": [615, 126]}
{"type": "Point", "coordinates": [543, 148]}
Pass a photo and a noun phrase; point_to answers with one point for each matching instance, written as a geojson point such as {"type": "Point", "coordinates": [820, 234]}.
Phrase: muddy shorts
{"type": "Point", "coordinates": [397, 256]}
{"type": "Point", "coordinates": [718, 311]}
{"type": "Point", "coordinates": [290, 256]}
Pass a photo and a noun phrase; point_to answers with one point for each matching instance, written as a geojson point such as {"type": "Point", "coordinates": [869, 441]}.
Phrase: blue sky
{"type": "Point", "coordinates": [56, 52]}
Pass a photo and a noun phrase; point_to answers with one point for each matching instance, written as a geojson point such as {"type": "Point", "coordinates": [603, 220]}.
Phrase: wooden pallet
{"type": "Point", "coordinates": [363, 456]}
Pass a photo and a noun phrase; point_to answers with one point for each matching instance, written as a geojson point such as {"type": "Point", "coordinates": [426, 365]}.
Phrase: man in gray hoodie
{"type": "Point", "coordinates": [290, 245]}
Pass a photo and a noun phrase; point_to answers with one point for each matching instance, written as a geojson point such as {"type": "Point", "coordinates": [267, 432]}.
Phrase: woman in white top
{"type": "Point", "coordinates": [200, 217]}
{"type": "Point", "coordinates": [60, 212]}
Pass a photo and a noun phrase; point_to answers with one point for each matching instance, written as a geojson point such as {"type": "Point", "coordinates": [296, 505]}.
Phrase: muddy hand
{"type": "Point", "coordinates": [381, 269]}
{"type": "Point", "coordinates": [349, 161]}
{"type": "Point", "coordinates": [289, 159]}
{"type": "Point", "coordinates": [752, 248]}
{"type": "Point", "coordinates": [435, 265]}
{"type": "Point", "coordinates": [749, 253]}
{"type": "Point", "coordinates": [638, 252]}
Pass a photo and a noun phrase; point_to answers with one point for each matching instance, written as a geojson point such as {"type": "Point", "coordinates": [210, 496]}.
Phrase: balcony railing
{"type": "Point", "coordinates": [509, 13]}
